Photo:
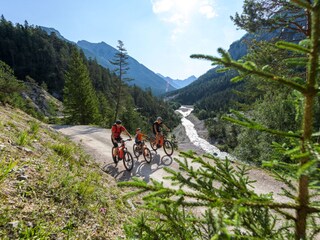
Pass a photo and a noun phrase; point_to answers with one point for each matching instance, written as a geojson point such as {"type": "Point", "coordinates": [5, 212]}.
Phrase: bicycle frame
{"type": "Point", "coordinates": [122, 148]}
{"type": "Point", "coordinates": [123, 154]}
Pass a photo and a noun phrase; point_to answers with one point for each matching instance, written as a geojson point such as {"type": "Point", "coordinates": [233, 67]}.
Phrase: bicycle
{"type": "Point", "coordinates": [124, 155]}
{"type": "Point", "coordinates": [144, 150]}
{"type": "Point", "coordinates": [167, 145]}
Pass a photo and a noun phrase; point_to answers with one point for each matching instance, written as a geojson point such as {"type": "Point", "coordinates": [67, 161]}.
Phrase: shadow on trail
{"type": "Point", "coordinates": [141, 168]}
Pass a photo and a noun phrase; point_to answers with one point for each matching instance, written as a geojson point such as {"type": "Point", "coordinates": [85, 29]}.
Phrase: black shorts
{"type": "Point", "coordinates": [140, 143]}
{"type": "Point", "coordinates": [117, 140]}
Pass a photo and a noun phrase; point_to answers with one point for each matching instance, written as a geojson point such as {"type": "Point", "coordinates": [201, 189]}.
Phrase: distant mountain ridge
{"type": "Point", "coordinates": [49, 31]}
{"type": "Point", "coordinates": [103, 53]}
{"type": "Point", "coordinates": [177, 83]}
{"type": "Point", "coordinates": [143, 77]}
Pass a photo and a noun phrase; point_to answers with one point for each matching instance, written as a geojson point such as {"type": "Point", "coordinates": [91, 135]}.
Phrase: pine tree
{"type": "Point", "coordinates": [231, 209]}
{"type": "Point", "coordinates": [80, 100]}
{"type": "Point", "coordinates": [122, 66]}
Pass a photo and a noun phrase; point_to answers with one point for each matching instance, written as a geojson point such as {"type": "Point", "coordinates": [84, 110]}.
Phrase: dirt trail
{"type": "Point", "coordinates": [96, 141]}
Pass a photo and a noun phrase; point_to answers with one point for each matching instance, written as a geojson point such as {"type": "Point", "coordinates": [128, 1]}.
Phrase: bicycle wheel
{"type": "Point", "coordinates": [153, 144]}
{"type": "Point", "coordinates": [136, 150]}
{"type": "Point", "coordinates": [168, 147]}
{"type": "Point", "coordinates": [147, 155]}
{"type": "Point", "coordinates": [128, 161]}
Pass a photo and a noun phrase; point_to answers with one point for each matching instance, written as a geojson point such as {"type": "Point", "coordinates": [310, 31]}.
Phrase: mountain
{"type": "Point", "coordinates": [56, 32]}
{"type": "Point", "coordinates": [141, 75]}
{"type": "Point", "coordinates": [211, 86]}
{"type": "Point", "coordinates": [177, 83]}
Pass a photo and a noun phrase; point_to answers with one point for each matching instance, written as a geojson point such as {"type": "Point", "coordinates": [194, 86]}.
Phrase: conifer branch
{"type": "Point", "coordinates": [249, 69]}
{"type": "Point", "coordinates": [292, 47]}
{"type": "Point", "coordinates": [302, 3]}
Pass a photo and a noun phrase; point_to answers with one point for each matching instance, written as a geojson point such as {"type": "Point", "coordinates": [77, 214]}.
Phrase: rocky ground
{"type": "Point", "coordinates": [184, 141]}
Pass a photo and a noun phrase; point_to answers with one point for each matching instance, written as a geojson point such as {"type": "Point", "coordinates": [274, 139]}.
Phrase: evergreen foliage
{"type": "Point", "coordinates": [215, 201]}
{"type": "Point", "coordinates": [35, 56]}
{"type": "Point", "coordinates": [121, 63]}
{"type": "Point", "coordinates": [272, 15]}
{"type": "Point", "coordinates": [29, 51]}
{"type": "Point", "coordinates": [80, 100]}
{"type": "Point", "coordinates": [10, 87]}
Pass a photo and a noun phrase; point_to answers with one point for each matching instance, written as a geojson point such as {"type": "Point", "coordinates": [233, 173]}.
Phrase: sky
{"type": "Point", "coordinates": [160, 34]}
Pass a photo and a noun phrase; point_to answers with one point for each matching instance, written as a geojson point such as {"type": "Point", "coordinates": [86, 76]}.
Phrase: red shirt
{"type": "Point", "coordinates": [117, 130]}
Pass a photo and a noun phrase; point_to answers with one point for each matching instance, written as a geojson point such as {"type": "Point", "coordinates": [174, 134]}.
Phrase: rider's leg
{"type": "Point", "coordinates": [115, 151]}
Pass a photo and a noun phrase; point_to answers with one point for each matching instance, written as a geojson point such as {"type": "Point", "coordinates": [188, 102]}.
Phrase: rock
{"type": "Point", "coordinates": [22, 177]}
{"type": "Point", "coordinates": [14, 224]}
{"type": "Point", "coordinates": [2, 147]}
{"type": "Point", "coordinates": [27, 150]}
{"type": "Point", "coordinates": [30, 224]}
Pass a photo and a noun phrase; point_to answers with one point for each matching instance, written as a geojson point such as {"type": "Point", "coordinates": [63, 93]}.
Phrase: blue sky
{"type": "Point", "coordinates": [160, 34]}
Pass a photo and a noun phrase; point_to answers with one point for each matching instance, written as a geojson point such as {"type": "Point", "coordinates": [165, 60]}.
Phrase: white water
{"type": "Point", "coordinates": [194, 137]}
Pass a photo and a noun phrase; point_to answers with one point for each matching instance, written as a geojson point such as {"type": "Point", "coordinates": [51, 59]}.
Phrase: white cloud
{"type": "Point", "coordinates": [161, 6]}
{"type": "Point", "coordinates": [208, 11]}
{"type": "Point", "coordinates": [180, 13]}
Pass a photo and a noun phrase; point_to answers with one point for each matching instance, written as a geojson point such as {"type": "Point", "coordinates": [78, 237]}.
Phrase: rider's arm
{"type": "Point", "coordinates": [168, 129]}
{"type": "Point", "coordinates": [128, 134]}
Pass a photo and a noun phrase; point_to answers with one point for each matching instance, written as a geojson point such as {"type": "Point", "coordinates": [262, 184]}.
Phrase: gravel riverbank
{"type": "Point", "coordinates": [184, 142]}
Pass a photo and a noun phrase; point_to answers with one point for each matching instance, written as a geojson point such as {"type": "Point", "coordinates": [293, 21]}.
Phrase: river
{"type": "Point", "coordinates": [195, 139]}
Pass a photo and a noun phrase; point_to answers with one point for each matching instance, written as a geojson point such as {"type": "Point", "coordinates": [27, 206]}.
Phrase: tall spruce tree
{"type": "Point", "coordinates": [122, 66]}
{"type": "Point", "coordinates": [80, 100]}
{"type": "Point", "coordinates": [231, 209]}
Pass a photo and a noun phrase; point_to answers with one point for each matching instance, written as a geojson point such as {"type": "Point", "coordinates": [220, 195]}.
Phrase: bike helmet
{"type": "Point", "coordinates": [118, 121]}
{"type": "Point", "coordinates": [159, 118]}
{"type": "Point", "coordinates": [138, 129]}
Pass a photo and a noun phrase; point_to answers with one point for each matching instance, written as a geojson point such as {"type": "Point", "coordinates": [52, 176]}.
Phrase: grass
{"type": "Point", "coordinates": [5, 168]}
{"type": "Point", "coordinates": [23, 138]}
{"type": "Point", "coordinates": [64, 194]}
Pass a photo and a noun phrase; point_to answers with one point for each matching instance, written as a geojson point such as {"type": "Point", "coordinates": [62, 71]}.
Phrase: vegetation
{"type": "Point", "coordinates": [216, 201]}
{"type": "Point", "coordinates": [9, 85]}
{"type": "Point", "coordinates": [80, 100]}
{"type": "Point", "coordinates": [120, 61]}
{"type": "Point", "coordinates": [41, 59]}
{"type": "Point", "coordinates": [49, 188]}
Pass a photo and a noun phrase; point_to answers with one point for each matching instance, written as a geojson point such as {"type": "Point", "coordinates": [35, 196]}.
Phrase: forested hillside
{"type": "Point", "coordinates": [46, 60]}
{"type": "Point", "coordinates": [215, 95]}
{"type": "Point", "coordinates": [278, 129]}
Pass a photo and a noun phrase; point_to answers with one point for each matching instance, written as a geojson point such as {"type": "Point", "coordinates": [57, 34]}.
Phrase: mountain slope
{"type": "Point", "coordinates": [179, 83]}
{"type": "Point", "coordinates": [141, 75]}
{"type": "Point", "coordinates": [49, 188]}
{"type": "Point", "coordinates": [212, 83]}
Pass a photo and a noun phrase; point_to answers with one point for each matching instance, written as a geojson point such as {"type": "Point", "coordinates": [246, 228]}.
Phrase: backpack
{"type": "Point", "coordinates": [153, 127]}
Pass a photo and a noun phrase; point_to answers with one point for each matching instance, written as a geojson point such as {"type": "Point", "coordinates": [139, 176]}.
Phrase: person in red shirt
{"type": "Point", "coordinates": [116, 131]}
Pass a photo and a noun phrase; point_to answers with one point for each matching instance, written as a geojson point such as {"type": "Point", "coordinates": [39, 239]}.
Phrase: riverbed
{"type": "Point", "coordinates": [193, 139]}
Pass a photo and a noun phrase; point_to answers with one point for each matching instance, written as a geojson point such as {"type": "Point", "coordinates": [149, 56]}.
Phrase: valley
{"type": "Point", "coordinates": [96, 142]}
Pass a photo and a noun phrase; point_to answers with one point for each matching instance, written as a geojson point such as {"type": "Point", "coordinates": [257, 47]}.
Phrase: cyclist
{"type": "Point", "coordinates": [138, 138]}
{"type": "Point", "coordinates": [157, 130]}
{"type": "Point", "coordinates": [116, 131]}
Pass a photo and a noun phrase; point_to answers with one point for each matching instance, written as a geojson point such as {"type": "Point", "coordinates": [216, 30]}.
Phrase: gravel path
{"type": "Point", "coordinates": [96, 141]}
